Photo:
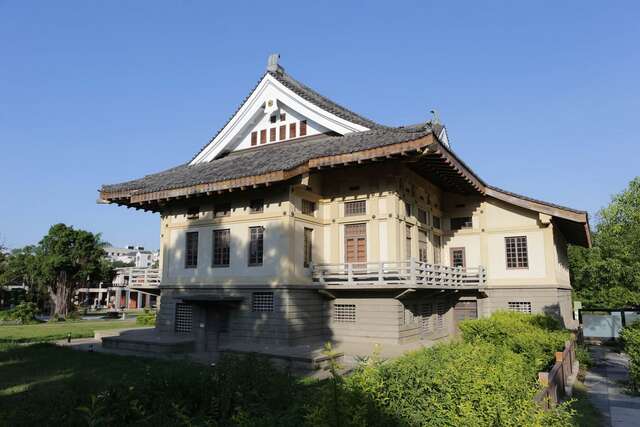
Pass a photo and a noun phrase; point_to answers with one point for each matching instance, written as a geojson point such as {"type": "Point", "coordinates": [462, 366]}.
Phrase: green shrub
{"type": "Point", "coordinates": [537, 337]}
{"type": "Point", "coordinates": [147, 318]}
{"type": "Point", "coordinates": [24, 313]}
{"type": "Point", "coordinates": [630, 337]}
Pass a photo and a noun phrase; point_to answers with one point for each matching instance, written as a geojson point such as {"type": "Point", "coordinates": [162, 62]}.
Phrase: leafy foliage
{"type": "Point", "coordinates": [147, 318]}
{"type": "Point", "coordinates": [537, 337]}
{"type": "Point", "coordinates": [24, 313]}
{"type": "Point", "coordinates": [630, 336]}
{"type": "Point", "coordinates": [489, 380]}
{"type": "Point", "coordinates": [608, 275]}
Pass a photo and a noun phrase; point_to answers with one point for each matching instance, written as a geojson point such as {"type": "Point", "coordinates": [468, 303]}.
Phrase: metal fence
{"type": "Point", "coordinates": [604, 323]}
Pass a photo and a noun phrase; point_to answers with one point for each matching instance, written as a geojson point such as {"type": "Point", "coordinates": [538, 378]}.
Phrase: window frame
{"type": "Point", "coordinates": [355, 208]}
{"type": "Point", "coordinates": [215, 250]}
{"type": "Point", "coordinates": [344, 313]}
{"type": "Point", "coordinates": [519, 265]}
{"type": "Point", "coordinates": [464, 257]}
{"type": "Point", "coordinates": [256, 245]}
{"type": "Point", "coordinates": [191, 258]}
{"type": "Point", "coordinates": [308, 246]}
{"type": "Point", "coordinates": [263, 302]}
{"type": "Point", "coordinates": [308, 203]}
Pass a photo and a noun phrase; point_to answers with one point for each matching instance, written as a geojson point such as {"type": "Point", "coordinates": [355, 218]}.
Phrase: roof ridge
{"type": "Point", "coordinates": [308, 94]}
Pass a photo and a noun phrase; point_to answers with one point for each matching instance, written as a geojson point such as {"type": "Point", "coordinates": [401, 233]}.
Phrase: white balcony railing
{"type": "Point", "coordinates": [409, 273]}
{"type": "Point", "coordinates": [137, 277]}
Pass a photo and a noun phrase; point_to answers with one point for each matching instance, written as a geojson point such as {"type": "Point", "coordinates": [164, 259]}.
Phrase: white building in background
{"type": "Point", "coordinates": [133, 254]}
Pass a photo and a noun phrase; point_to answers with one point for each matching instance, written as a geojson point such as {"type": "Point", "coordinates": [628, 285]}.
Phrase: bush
{"type": "Point", "coordinates": [537, 337]}
{"type": "Point", "coordinates": [24, 313]}
{"type": "Point", "coordinates": [630, 337]}
{"type": "Point", "coordinates": [477, 384]}
{"type": "Point", "coordinates": [147, 318]}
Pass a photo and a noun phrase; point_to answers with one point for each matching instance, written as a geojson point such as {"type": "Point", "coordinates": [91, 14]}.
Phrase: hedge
{"type": "Point", "coordinates": [490, 379]}
{"type": "Point", "coordinates": [630, 336]}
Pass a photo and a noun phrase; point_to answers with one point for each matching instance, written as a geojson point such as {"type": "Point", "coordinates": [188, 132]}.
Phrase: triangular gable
{"type": "Point", "coordinates": [271, 98]}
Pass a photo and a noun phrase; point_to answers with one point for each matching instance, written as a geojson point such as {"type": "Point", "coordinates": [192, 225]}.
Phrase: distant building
{"type": "Point", "coordinates": [132, 254]}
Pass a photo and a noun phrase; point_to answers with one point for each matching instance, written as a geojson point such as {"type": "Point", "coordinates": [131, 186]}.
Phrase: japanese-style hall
{"type": "Point", "coordinates": [302, 222]}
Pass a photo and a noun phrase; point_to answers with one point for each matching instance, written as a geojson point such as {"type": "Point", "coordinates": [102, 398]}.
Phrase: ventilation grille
{"type": "Point", "coordinates": [344, 313]}
{"type": "Point", "coordinates": [262, 301]}
{"type": "Point", "coordinates": [520, 306]}
{"type": "Point", "coordinates": [184, 317]}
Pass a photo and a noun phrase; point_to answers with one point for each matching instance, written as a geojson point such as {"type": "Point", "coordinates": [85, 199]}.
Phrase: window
{"type": "Point", "coordinates": [256, 206]}
{"type": "Point", "coordinates": [283, 117]}
{"type": "Point", "coordinates": [222, 209]}
{"type": "Point", "coordinates": [520, 306]}
{"type": "Point", "coordinates": [292, 130]}
{"type": "Point", "coordinates": [308, 207]}
{"type": "Point", "coordinates": [457, 257]}
{"type": "Point", "coordinates": [422, 246]}
{"type": "Point", "coordinates": [263, 136]}
{"type": "Point", "coordinates": [422, 216]}
{"type": "Point", "coordinates": [437, 243]}
{"type": "Point", "coordinates": [308, 242]}
{"type": "Point", "coordinates": [358, 207]}
{"type": "Point", "coordinates": [273, 118]}
{"type": "Point", "coordinates": [436, 222]}
{"type": "Point", "coordinates": [191, 250]}
{"type": "Point", "coordinates": [193, 212]}
{"type": "Point", "coordinates": [407, 249]}
{"type": "Point", "coordinates": [272, 134]}
{"type": "Point", "coordinates": [184, 318]}
{"type": "Point", "coordinates": [283, 132]}
{"type": "Point", "coordinates": [303, 128]}
{"type": "Point", "coordinates": [221, 248]}
{"type": "Point", "coordinates": [262, 301]}
{"type": "Point", "coordinates": [256, 245]}
{"type": "Point", "coordinates": [407, 208]}
{"type": "Point", "coordinates": [254, 138]}
{"type": "Point", "coordinates": [460, 223]}
{"type": "Point", "coordinates": [344, 313]}
{"type": "Point", "coordinates": [516, 249]}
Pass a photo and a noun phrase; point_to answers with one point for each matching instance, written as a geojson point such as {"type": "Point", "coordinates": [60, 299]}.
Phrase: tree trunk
{"type": "Point", "coordinates": [60, 295]}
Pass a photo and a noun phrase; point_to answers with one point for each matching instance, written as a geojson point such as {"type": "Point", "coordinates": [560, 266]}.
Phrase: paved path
{"type": "Point", "coordinates": [606, 389]}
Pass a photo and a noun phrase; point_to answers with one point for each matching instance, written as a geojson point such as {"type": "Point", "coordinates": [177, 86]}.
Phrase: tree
{"type": "Point", "coordinates": [22, 267]}
{"type": "Point", "coordinates": [608, 274]}
{"type": "Point", "coordinates": [69, 259]}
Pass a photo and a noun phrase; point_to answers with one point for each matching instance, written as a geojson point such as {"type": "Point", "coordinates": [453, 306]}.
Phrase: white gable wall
{"type": "Point", "coordinates": [264, 122]}
{"type": "Point", "coordinates": [252, 113]}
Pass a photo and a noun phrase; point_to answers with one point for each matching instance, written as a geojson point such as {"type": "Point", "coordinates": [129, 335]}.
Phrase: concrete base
{"type": "Point", "coordinates": [148, 340]}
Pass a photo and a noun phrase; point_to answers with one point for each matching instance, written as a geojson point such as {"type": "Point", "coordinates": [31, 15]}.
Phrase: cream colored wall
{"type": "Point", "coordinates": [386, 190]}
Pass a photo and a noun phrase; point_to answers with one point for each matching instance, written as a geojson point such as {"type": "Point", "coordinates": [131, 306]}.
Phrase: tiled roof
{"type": "Point", "coordinates": [308, 94]}
{"type": "Point", "coordinates": [269, 158]}
{"type": "Point", "coordinates": [325, 103]}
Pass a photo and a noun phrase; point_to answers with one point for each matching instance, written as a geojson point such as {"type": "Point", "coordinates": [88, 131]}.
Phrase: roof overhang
{"type": "Point", "coordinates": [574, 224]}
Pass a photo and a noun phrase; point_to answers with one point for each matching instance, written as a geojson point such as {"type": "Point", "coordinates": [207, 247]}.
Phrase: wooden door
{"type": "Point", "coordinates": [355, 243]}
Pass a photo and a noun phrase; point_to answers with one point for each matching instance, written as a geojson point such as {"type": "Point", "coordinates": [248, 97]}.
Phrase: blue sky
{"type": "Point", "coordinates": [540, 98]}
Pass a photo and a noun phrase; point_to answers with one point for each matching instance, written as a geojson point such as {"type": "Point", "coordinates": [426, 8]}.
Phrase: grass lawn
{"type": "Point", "coordinates": [58, 330]}
{"type": "Point", "coordinates": [42, 384]}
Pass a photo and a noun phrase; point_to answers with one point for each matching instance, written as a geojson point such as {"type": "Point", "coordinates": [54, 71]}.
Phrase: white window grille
{"type": "Point", "coordinates": [520, 306]}
{"type": "Point", "coordinates": [344, 313]}
{"type": "Point", "coordinates": [262, 301]}
{"type": "Point", "coordinates": [184, 317]}
{"type": "Point", "coordinates": [358, 207]}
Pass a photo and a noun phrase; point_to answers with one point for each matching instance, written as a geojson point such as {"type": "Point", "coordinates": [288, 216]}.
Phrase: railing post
{"type": "Point", "coordinates": [412, 271]}
{"type": "Point", "coordinates": [349, 273]}
{"type": "Point", "coordinates": [380, 273]}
